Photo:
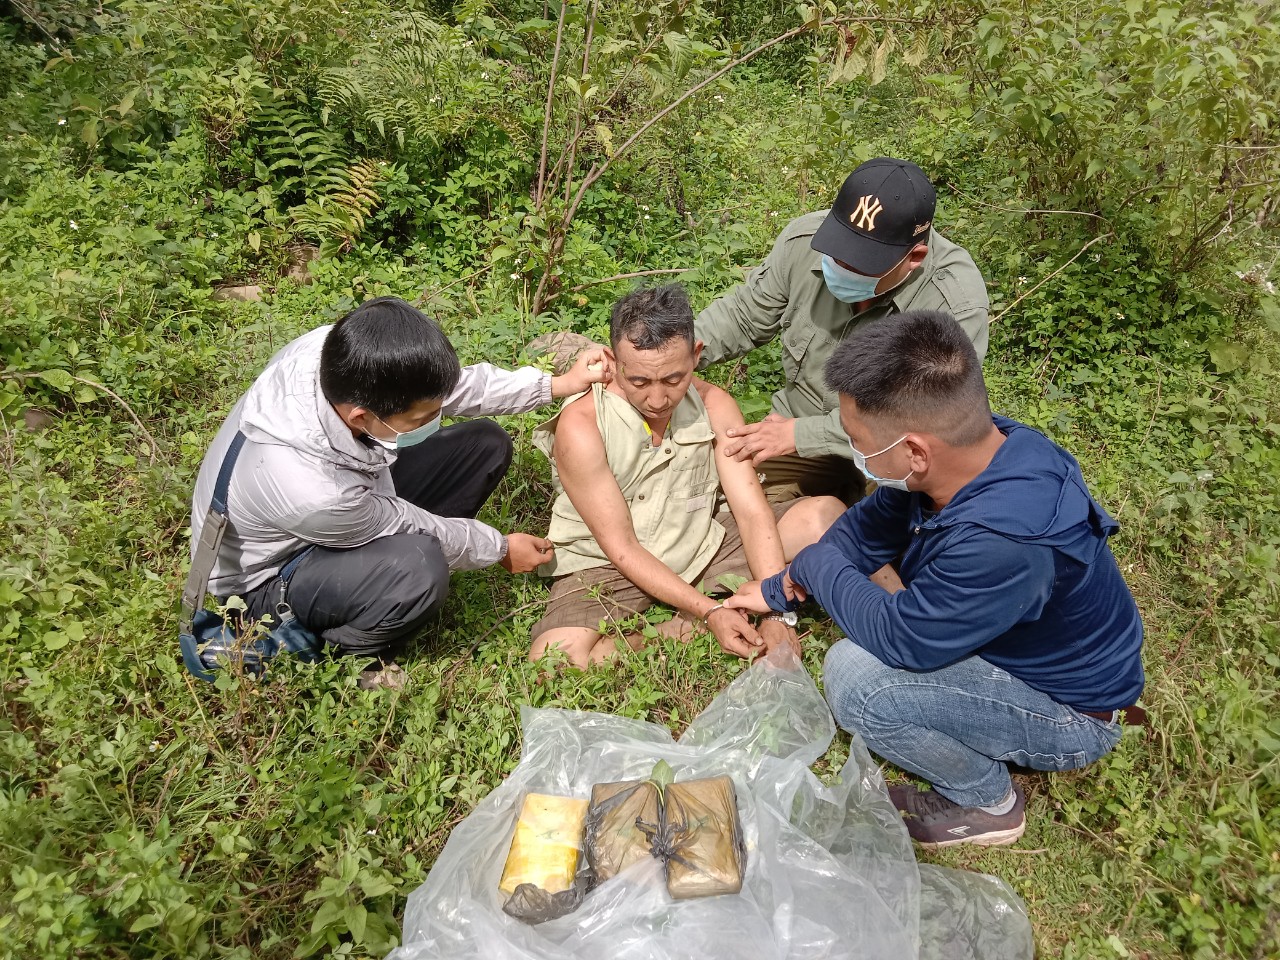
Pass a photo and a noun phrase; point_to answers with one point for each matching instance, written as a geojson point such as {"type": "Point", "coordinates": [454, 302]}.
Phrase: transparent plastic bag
{"type": "Point", "coordinates": [830, 869]}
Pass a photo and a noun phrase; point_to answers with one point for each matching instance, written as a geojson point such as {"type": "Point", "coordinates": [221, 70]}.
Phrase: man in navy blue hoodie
{"type": "Point", "coordinates": [1014, 639]}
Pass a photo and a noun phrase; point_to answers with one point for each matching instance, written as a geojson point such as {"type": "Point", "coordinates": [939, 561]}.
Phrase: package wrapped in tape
{"type": "Point", "coordinates": [702, 838]}
{"type": "Point", "coordinates": [621, 822]}
{"type": "Point", "coordinates": [831, 870]}
{"type": "Point", "coordinates": [547, 841]}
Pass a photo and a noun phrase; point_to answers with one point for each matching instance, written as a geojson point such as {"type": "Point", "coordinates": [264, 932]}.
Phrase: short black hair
{"type": "Point", "coordinates": [917, 370]}
{"type": "Point", "coordinates": [652, 316]}
{"type": "Point", "coordinates": [386, 355]}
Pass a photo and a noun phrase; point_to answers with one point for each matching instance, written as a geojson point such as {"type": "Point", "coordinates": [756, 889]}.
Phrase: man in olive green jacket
{"type": "Point", "coordinates": [874, 253]}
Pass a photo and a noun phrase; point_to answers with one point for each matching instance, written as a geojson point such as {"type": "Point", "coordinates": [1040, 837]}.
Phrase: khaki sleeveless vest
{"type": "Point", "coordinates": [671, 490]}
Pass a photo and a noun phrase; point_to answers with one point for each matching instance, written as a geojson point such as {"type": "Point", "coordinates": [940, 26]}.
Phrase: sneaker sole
{"type": "Point", "coordinates": [996, 838]}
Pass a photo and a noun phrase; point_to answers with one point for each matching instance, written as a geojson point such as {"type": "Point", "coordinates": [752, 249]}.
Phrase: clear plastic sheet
{"type": "Point", "coordinates": [830, 869]}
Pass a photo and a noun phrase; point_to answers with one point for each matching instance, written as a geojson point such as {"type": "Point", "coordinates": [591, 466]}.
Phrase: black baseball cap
{"type": "Point", "coordinates": [884, 208]}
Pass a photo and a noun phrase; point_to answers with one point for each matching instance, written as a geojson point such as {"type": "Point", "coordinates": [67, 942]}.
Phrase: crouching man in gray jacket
{"type": "Point", "coordinates": [346, 470]}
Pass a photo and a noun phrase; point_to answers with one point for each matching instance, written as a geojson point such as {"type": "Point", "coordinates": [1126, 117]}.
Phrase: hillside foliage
{"type": "Point", "coordinates": [1114, 168]}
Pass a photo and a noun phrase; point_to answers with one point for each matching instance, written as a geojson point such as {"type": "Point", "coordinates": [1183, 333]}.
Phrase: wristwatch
{"type": "Point", "coordinates": [789, 618]}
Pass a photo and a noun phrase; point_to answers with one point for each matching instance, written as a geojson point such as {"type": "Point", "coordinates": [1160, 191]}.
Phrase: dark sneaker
{"type": "Point", "coordinates": [934, 821]}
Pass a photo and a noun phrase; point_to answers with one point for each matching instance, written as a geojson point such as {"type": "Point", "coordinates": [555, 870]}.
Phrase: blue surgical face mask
{"type": "Point", "coordinates": [860, 461]}
{"type": "Point", "coordinates": [409, 437]}
{"type": "Point", "coordinates": [845, 285]}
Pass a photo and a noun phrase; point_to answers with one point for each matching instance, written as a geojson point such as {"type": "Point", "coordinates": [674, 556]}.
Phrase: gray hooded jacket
{"type": "Point", "coordinates": [302, 477]}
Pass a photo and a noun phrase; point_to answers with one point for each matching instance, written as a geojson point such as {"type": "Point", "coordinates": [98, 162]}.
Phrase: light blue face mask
{"type": "Point", "coordinates": [409, 437]}
{"type": "Point", "coordinates": [860, 461]}
{"type": "Point", "coordinates": [845, 285]}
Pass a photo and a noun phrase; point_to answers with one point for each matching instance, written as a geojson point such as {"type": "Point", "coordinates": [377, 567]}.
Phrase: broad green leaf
{"type": "Point", "coordinates": [58, 379]}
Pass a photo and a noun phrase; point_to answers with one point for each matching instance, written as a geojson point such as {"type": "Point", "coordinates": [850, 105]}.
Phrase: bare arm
{"type": "Point", "coordinates": [591, 486]}
{"type": "Point", "coordinates": [584, 472]}
{"type": "Point", "coordinates": [742, 488]}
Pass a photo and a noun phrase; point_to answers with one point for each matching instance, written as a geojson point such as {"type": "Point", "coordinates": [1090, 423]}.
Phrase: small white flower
{"type": "Point", "coordinates": [1022, 279]}
{"type": "Point", "coordinates": [784, 169]}
{"type": "Point", "coordinates": [773, 213]}
{"type": "Point", "coordinates": [646, 216]}
{"type": "Point", "coordinates": [62, 122]}
{"type": "Point", "coordinates": [1204, 476]}
{"type": "Point", "coordinates": [73, 225]}
{"type": "Point", "coordinates": [484, 76]}
{"type": "Point", "coordinates": [515, 276]}
{"type": "Point", "coordinates": [371, 833]}
{"type": "Point", "coordinates": [643, 207]}
{"type": "Point", "coordinates": [155, 744]}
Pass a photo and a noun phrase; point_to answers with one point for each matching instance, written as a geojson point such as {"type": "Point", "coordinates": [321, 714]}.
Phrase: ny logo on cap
{"type": "Point", "coordinates": [865, 213]}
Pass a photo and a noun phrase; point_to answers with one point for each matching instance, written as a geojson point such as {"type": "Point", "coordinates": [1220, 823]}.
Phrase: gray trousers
{"type": "Point", "coordinates": [367, 600]}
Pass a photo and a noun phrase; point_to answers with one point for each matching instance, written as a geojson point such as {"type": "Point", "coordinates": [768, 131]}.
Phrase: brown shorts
{"type": "Point", "coordinates": [585, 598]}
{"type": "Point", "coordinates": [791, 476]}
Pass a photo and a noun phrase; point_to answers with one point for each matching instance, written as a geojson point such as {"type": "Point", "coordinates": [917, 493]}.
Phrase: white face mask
{"type": "Point", "coordinates": [860, 461]}
{"type": "Point", "coordinates": [407, 438]}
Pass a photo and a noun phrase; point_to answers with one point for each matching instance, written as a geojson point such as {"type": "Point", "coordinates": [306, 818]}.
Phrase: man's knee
{"type": "Point", "coordinates": [850, 676]}
{"type": "Point", "coordinates": [493, 444]}
{"type": "Point", "coordinates": [406, 580]}
{"type": "Point", "coordinates": [419, 560]}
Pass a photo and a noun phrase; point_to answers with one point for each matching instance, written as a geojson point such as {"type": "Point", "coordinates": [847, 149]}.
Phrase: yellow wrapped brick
{"type": "Point", "coordinates": [545, 848]}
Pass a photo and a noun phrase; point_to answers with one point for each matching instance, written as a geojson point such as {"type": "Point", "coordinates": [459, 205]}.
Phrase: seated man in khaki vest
{"type": "Point", "coordinates": [640, 470]}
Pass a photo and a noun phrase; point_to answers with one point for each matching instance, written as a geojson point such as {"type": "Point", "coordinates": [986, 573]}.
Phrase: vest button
{"type": "Point", "coordinates": [666, 449]}
{"type": "Point", "coordinates": [641, 497]}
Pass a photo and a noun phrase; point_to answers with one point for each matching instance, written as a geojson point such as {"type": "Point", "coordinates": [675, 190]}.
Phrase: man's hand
{"type": "Point", "coordinates": [734, 633]}
{"type": "Point", "coordinates": [525, 552]}
{"type": "Point", "coordinates": [774, 436]}
{"type": "Point", "coordinates": [777, 634]}
{"type": "Point", "coordinates": [750, 595]}
{"type": "Point", "coordinates": [592, 366]}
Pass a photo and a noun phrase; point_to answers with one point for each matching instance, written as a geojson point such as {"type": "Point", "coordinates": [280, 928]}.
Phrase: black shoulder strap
{"type": "Point", "coordinates": [206, 552]}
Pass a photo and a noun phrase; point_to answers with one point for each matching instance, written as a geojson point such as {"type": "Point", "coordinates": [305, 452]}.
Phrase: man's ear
{"type": "Point", "coordinates": [354, 416]}
{"type": "Point", "coordinates": [917, 255]}
{"type": "Point", "coordinates": [697, 353]}
{"type": "Point", "coordinates": [919, 451]}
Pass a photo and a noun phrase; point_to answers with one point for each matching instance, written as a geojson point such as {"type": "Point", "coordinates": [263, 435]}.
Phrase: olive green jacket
{"type": "Point", "coordinates": [786, 295]}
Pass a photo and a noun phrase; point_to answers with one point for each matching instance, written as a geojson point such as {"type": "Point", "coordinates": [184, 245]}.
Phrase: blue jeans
{"type": "Point", "coordinates": [957, 727]}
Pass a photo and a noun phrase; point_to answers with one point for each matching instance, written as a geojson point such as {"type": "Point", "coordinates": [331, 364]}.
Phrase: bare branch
{"type": "Point", "coordinates": [546, 119]}
{"type": "Point", "coordinates": [620, 276]}
{"type": "Point", "coordinates": [1079, 254]}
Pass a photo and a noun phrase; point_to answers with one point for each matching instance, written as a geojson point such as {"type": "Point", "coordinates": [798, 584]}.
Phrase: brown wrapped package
{"type": "Point", "coordinates": [621, 821]}
{"type": "Point", "coordinates": [702, 836]}
{"type": "Point", "coordinates": [547, 841]}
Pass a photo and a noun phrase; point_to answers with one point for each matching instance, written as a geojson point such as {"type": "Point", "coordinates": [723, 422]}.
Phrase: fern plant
{"type": "Point", "coordinates": [336, 213]}
{"type": "Point", "coordinates": [293, 152]}
{"type": "Point", "coordinates": [418, 82]}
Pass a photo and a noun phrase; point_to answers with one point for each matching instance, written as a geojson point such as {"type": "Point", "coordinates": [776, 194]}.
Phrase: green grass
{"type": "Point", "coordinates": [145, 814]}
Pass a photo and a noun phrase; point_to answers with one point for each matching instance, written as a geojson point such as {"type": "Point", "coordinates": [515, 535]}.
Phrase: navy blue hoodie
{"type": "Point", "coordinates": [1015, 569]}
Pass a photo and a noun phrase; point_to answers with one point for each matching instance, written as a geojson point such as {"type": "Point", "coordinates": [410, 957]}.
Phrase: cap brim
{"type": "Point", "coordinates": [867, 256]}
